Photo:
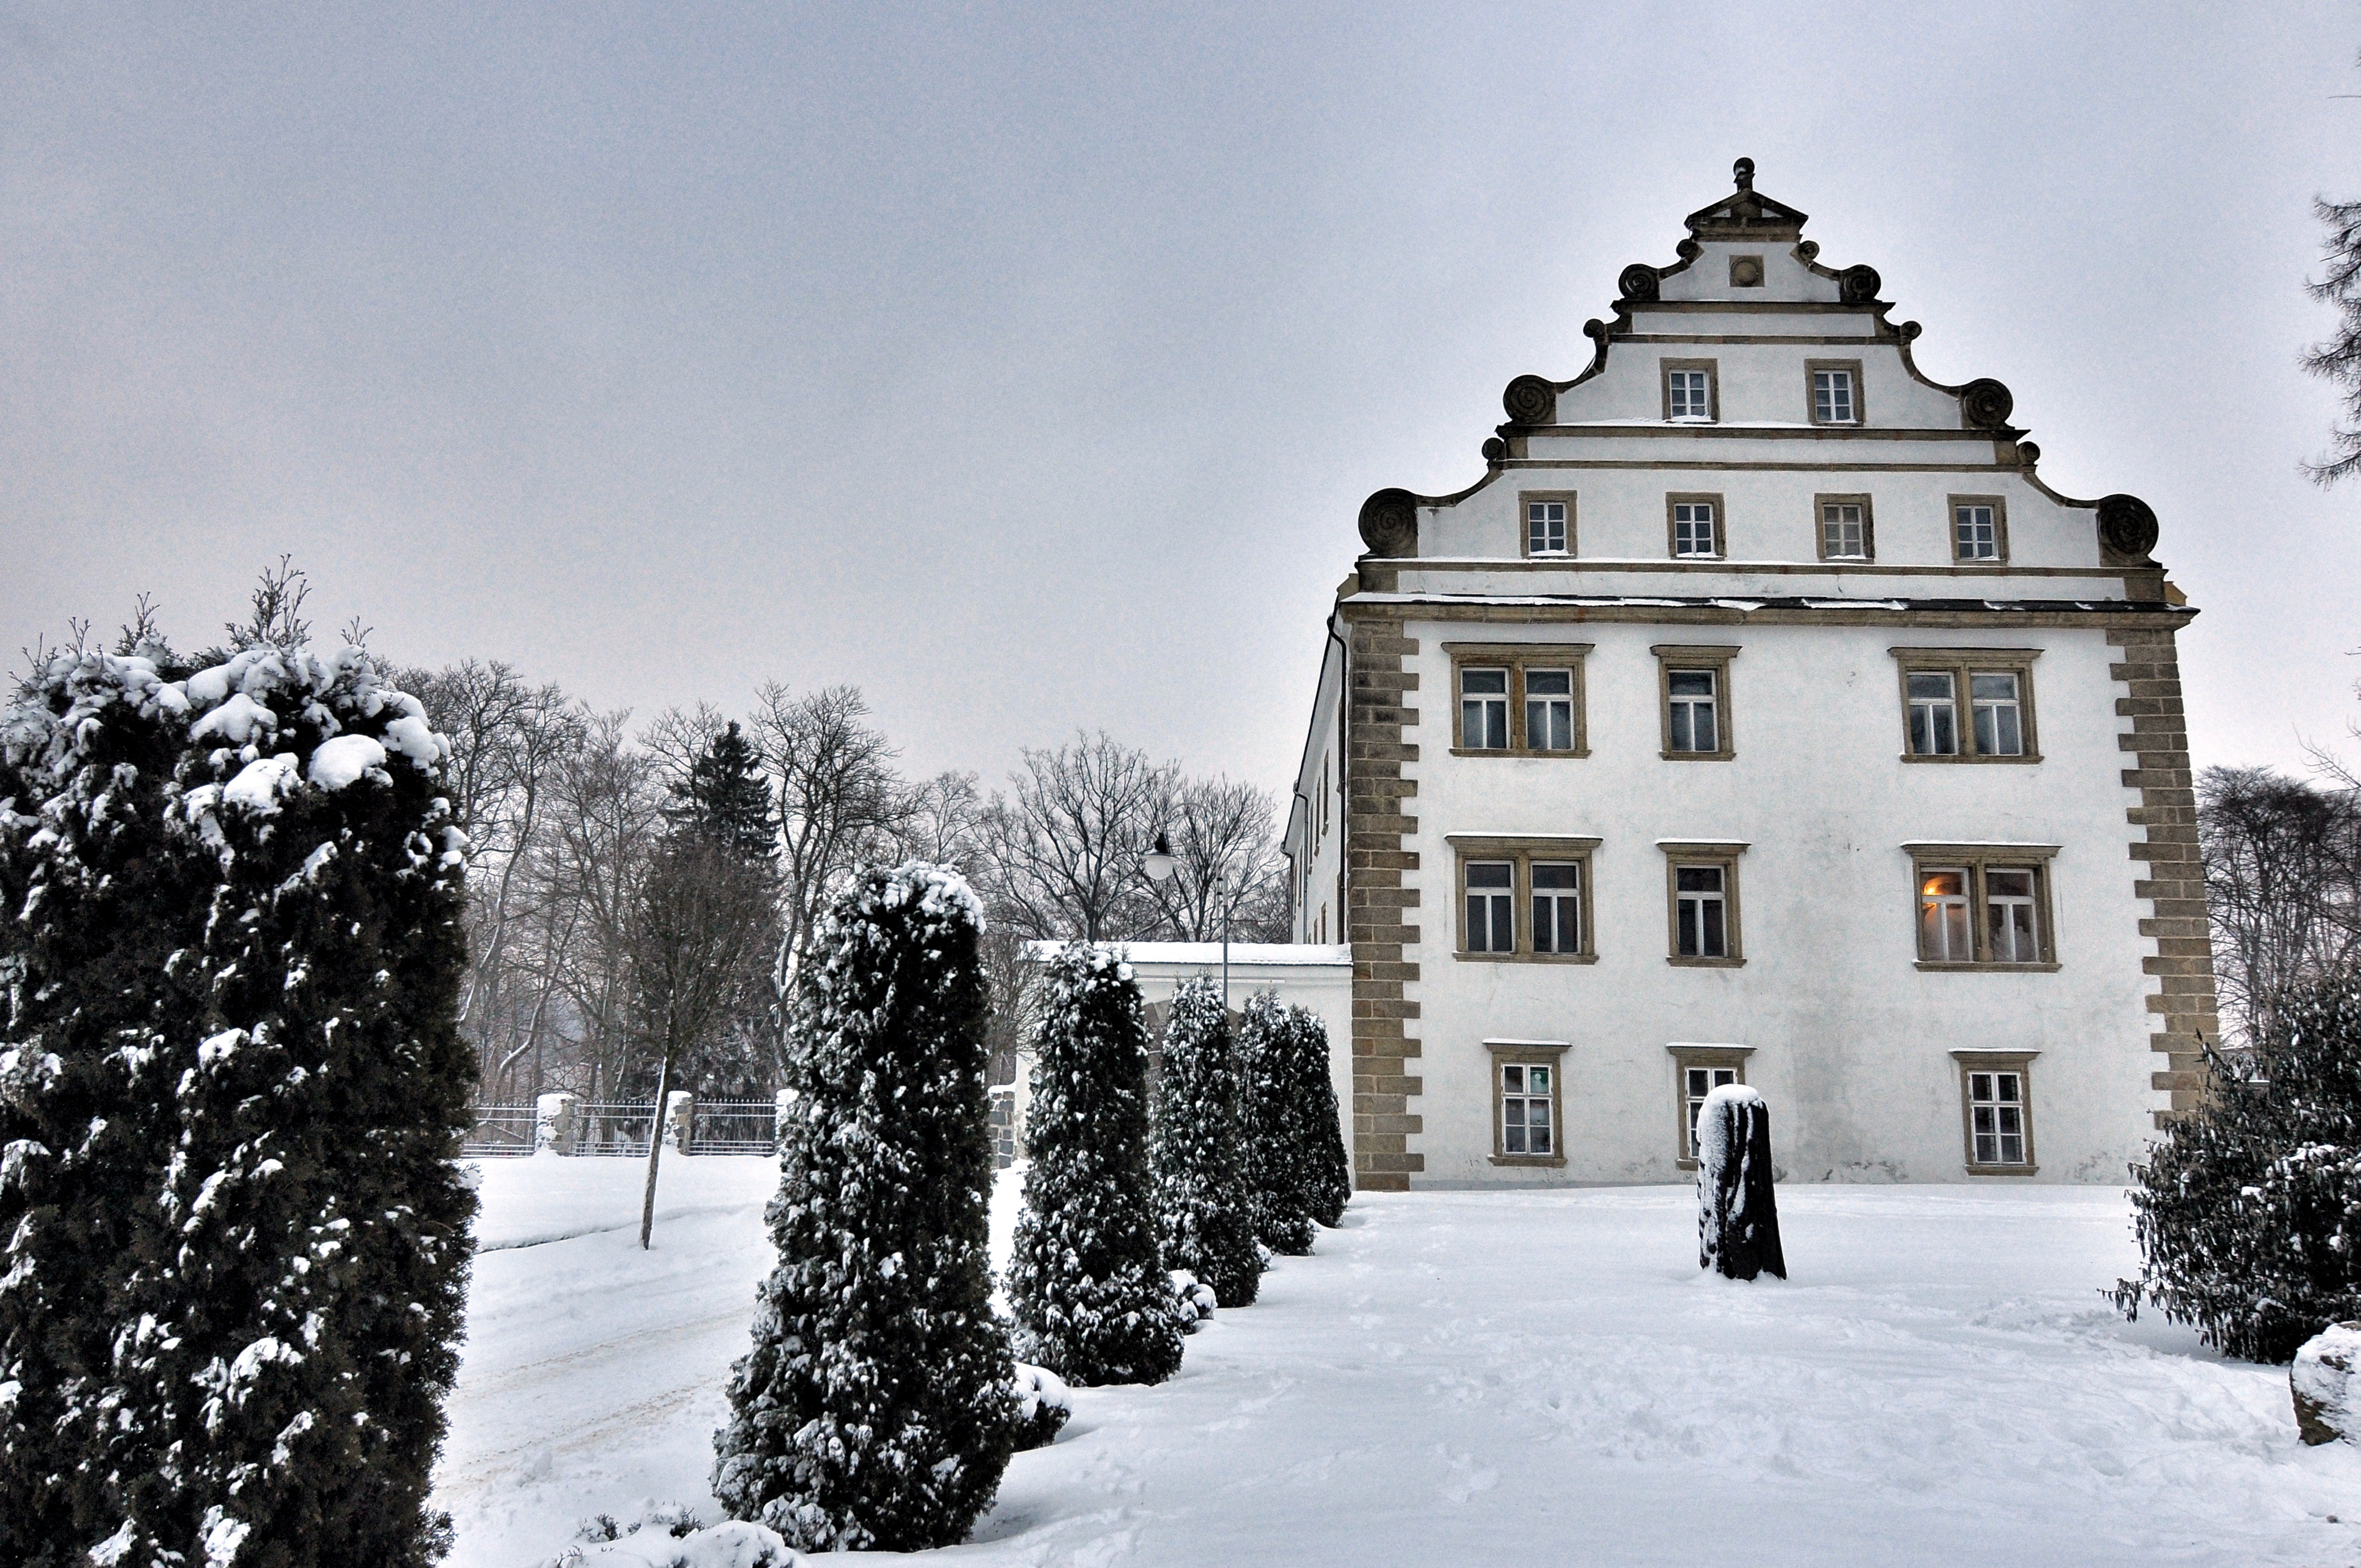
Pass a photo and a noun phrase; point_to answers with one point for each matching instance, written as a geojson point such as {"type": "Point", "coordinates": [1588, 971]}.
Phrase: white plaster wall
{"type": "Point", "coordinates": [1763, 383]}
{"type": "Point", "coordinates": [1784, 276]}
{"type": "Point", "coordinates": [1851, 1041]}
{"type": "Point", "coordinates": [1325, 987]}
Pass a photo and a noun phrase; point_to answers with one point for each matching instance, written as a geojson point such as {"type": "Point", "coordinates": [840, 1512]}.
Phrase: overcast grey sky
{"type": "Point", "coordinates": [1027, 365]}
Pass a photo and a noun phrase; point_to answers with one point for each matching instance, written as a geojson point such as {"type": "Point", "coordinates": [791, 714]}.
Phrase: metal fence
{"type": "Point", "coordinates": [620, 1128]}
{"type": "Point", "coordinates": [734, 1127]}
{"type": "Point", "coordinates": [501, 1130]}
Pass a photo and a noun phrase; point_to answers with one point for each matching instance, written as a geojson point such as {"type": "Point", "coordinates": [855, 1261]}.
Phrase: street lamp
{"type": "Point", "coordinates": [1160, 863]}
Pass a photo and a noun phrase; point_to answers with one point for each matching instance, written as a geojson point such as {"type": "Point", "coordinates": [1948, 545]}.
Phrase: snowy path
{"type": "Point", "coordinates": [1458, 1377]}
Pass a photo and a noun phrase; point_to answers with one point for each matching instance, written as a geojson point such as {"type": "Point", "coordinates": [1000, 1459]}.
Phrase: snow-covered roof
{"type": "Point", "coordinates": [1242, 954]}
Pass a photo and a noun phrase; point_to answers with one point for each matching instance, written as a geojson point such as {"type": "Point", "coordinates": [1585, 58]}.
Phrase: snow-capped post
{"type": "Point", "coordinates": [2243, 1211]}
{"type": "Point", "coordinates": [553, 1123]}
{"type": "Point", "coordinates": [285, 1294]}
{"type": "Point", "coordinates": [2326, 1380]}
{"type": "Point", "coordinates": [874, 1408]}
{"type": "Point", "coordinates": [1328, 1169]}
{"type": "Point", "coordinates": [785, 1098]}
{"type": "Point", "coordinates": [1276, 1162]}
{"type": "Point", "coordinates": [1085, 1282]}
{"type": "Point", "coordinates": [679, 1120]}
{"type": "Point", "coordinates": [1738, 1213]}
{"type": "Point", "coordinates": [1203, 1207]}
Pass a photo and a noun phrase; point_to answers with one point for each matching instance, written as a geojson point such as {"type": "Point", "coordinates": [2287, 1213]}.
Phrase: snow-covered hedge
{"type": "Point", "coordinates": [1204, 1215]}
{"type": "Point", "coordinates": [231, 1089]}
{"type": "Point", "coordinates": [1043, 1405]}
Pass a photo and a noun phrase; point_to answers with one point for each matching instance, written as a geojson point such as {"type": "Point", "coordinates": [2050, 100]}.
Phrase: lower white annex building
{"type": "Point", "coordinates": [1758, 715]}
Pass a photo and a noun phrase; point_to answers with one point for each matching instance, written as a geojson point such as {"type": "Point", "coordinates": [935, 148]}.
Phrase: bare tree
{"type": "Point", "coordinates": [840, 802]}
{"type": "Point", "coordinates": [943, 821]}
{"type": "Point", "coordinates": [610, 818]}
{"type": "Point", "coordinates": [700, 925]}
{"type": "Point", "coordinates": [1228, 870]}
{"type": "Point", "coordinates": [1065, 846]}
{"type": "Point", "coordinates": [2282, 886]}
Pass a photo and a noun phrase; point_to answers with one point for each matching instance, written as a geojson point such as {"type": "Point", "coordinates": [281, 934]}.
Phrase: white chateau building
{"type": "Point", "coordinates": [1761, 715]}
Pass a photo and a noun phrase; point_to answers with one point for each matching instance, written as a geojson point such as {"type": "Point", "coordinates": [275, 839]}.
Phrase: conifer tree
{"type": "Point", "coordinates": [1203, 1207]}
{"type": "Point", "coordinates": [874, 1408]}
{"type": "Point", "coordinates": [727, 797]}
{"type": "Point", "coordinates": [1328, 1173]}
{"type": "Point", "coordinates": [1278, 1165]}
{"type": "Point", "coordinates": [92, 899]}
{"type": "Point", "coordinates": [285, 1301]}
{"type": "Point", "coordinates": [2248, 1210]}
{"type": "Point", "coordinates": [1086, 1281]}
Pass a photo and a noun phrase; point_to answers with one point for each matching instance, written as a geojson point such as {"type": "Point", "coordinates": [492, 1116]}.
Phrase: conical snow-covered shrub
{"type": "Point", "coordinates": [1278, 1165]}
{"type": "Point", "coordinates": [1738, 1213]}
{"type": "Point", "coordinates": [1328, 1171]}
{"type": "Point", "coordinates": [1086, 1283]}
{"type": "Point", "coordinates": [1204, 1216]}
{"type": "Point", "coordinates": [92, 900]}
{"type": "Point", "coordinates": [2248, 1210]}
{"type": "Point", "coordinates": [284, 1307]}
{"type": "Point", "coordinates": [874, 1408]}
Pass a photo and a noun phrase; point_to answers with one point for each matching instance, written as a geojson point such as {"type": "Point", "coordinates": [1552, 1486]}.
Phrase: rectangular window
{"type": "Point", "coordinates": [1528, 1118]}
{"type": "Point", "coordinates": [1528, 1106]}
{"type": "Point", "coordinates": [1979, 529]}
{"type": "Point", "coordinates": [1984, 906]}
{"type": "Point", "coordinates": [1491, 906]}
{"type": "Point", "coordinates": [1836, 392]}
{"type": "Point", "coordinates": [1697, 1071]}
{"type": "Point", "coordinates": [1545, 528]}
{"type": "Point", "coordinates": [1689, 390]}
{"type": "Point", "coordinates": [1997, 1102]}
{"type": "Point", "coordinates": [1995, 684]}
{"type": "Point", "coordinates": [1518, 699]}
{"type": "Point", "coordinates": [1701, 882]}
{"type": "Point", "coordinates": [1549, 710]}
{"type": "Point", "coordinates": [1484, 709]}
{"type": "Point", "coordinates": [1557, 907]}
{"type": "Point", "coordinates": [1934, 714]}
{"type": "Point", "coordinates": [1694, 529]}
{"type": "Point", "coordinates": [1846, 534]}
{"type": "Point", "coordinates": [1695, 682]}
{"type": "Point", "coordinates": [1546, 879]}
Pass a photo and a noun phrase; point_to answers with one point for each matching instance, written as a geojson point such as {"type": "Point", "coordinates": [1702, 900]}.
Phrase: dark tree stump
{"type": "Point", "coordinates": [1738, 1214]}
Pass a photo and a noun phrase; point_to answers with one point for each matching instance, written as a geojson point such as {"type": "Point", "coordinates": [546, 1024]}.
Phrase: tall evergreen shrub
{"type": "Point", "coordinates": [1203, 1207]}
{"type": "Point", "coordinates": [286, 1298]}
{"type": "Point", "coordinates": [874, 1408]}
{"type": "Point", "coordinates": [1276, 1163]}
{"type": "Point", "coordinates": [1086, 1282]}
{"type": "Point", "coordinates": [2248, 1210]}
{"type": "Point", "coordinates": [1328, 1176]}
{"type": "Point", "coordinates": [93, 898]}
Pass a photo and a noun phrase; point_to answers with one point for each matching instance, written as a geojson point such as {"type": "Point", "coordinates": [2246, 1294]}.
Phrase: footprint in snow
{"type": "Point", "coordinates": [1462, 1480]}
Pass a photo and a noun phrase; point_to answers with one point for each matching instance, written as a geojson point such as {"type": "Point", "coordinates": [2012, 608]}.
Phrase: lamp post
{"type": "Point", "coordinates": [1160, 863]}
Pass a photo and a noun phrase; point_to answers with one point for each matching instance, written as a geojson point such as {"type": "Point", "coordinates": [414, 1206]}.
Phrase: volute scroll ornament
{"type": "Point", "coordinates": [1985, 404]}
{"type": "Point", "coordinates": [1638, 281]}
{"type": "Point", "coordinates": [1389, 524]}
{"type": "Point", "coordinates": [2127, 527]}
{"type": "Point", "coordinates": [1530, 400]}
{"type": "Point", "coordinates": [1858, 285]}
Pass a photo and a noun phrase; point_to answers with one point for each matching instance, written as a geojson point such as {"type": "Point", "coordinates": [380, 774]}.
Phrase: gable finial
{"type": "Point", "coordinates": [1744, 172]}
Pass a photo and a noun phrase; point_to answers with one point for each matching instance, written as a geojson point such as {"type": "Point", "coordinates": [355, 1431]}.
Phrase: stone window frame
{"type": "Point", "coordinates": [1720, 525]}
{"type": "Point", "coordinates": [1550, 1054]}
{"type": "Point", "coordinates": [1724, 853]}
{"type": "Point", "coordinates": [2018, 1062]}
{"type": "Point", "coordinates": [1712, 368]}
{"type": "Point", "coordinates": [1515, 657]}
{"type": "Point", "coordinates": [1977, 860]}
{"type": "Point", "coordinates": [1525, 527]}
{"type": "Point", "coordinates": [1686, 1056]}
{"type": "Point", "coordinates": [1811, 400]}
{"type": "Point", "coordinates": [1715, 657]}
{"type": "Point", "coordinates": [1521, 851]}
{"type": "Point", "coordinates": [1963, 665]}
{"type": "Point", "coordinates": [1999, 504]}
{"type": "Point", "coordinates": [1820, 503]}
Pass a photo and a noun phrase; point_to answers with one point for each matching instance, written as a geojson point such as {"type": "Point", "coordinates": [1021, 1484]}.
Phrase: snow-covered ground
{"type": "Point", "coordinates": [1468, 1377]}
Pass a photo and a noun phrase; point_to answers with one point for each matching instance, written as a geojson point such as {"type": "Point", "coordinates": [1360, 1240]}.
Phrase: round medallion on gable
{"type": "Point", "coordinates": [1638, 281]}
{"type": "Point", "coordinates": [1390, 523]}
{"type": "Point", "coordinates": [2126, 526]}
{"type": "Point", "coordinates": [1530, 400]}
{"type": "Point", "coordinates": [1985, 404]}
